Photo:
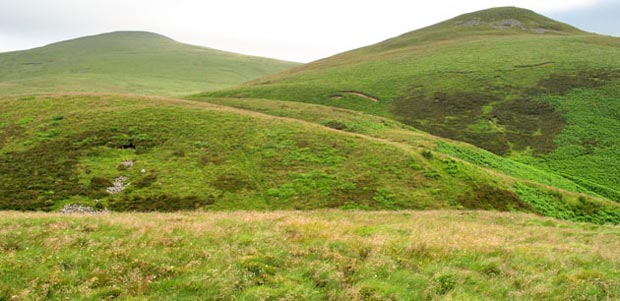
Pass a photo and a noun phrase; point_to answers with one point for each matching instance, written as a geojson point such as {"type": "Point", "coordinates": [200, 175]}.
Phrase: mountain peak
{"type": "Point", "coordinates": [118, 40]}
{"type": "Point", "coordinates": [506, 12]}
{"type": "Point", "coordinates": [133, 34]}
{"type": "Point", "coordinates": [511, 18]}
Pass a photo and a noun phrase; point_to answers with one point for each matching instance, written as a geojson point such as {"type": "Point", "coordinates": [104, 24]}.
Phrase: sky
{"type": "Point", "coordinates": [300, 30]}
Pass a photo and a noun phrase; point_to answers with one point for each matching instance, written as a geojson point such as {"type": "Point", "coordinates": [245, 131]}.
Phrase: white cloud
{"type": "Point", "coordinates": [294, 30]}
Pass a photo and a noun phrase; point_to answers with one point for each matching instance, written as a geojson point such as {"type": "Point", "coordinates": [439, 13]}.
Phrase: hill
{"type": "Point", "coordinates": [131, 153]}
{"type": "Point", "coordinates": [128, 62]}
{"type": "Point", "coordinates": [505, 79]}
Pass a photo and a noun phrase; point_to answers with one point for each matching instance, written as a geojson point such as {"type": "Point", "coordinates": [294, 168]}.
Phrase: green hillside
{"type": "Point", "coordinates": [128, 62]}
{"type": "Point", "coordinates": [309, 184]}
{"type": "Point", "coordinates": [209, 152]}
{"type": "Point", "coordinates": [171, 154]}
{"type": "Point", "coordinates": [505, 79]}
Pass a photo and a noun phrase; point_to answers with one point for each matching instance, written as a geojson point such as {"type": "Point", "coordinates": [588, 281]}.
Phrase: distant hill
{"type": "Point", "coordinates": [505, 79]}
{"type": "Point", "coordinates": [128, 62]}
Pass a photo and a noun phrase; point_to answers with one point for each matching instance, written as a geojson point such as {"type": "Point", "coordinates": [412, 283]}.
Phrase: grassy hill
{"type": "Point", "coordinates": [130, 153]}
{"type": "Point", "coordinates": [338, 152]}
{"type": "Point", "coordinates": [320, 255]}
{"type": "Point", "coordinates": [506, 79]}
{"type": "Point", "coordinates": [183, 155]}
{"type": "Point", "coordinates": [128, 62]}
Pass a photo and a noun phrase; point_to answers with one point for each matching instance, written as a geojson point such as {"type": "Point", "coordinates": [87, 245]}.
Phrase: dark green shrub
{"type": "Point", "coordinates": [336, 125]}
{"type": "Point", "coordinates": [145, 181]}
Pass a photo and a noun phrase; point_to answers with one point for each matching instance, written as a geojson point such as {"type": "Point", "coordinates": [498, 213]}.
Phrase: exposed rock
{"type": "Point", "coordinates": [507, 23]}
{"type": "Point", "coordinates": [471, 23]}
{"type": "Point", "coordinates": [126, 164]}
{"type": "Point", "coordinates": [118, 185]}
{"type": "Point", "coordinates": [541, 30]}
{"type": "Point", "coordinates": [79, 209]}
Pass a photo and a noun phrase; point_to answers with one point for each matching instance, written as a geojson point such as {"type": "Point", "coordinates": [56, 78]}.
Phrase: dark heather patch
{"type": "Point", "coordinates": [563, 83]}
{"type": "Point", "coordinates": [487, 197]}
{"type": "Point", "coordinates": [97, 187]}
{"type": "Point", "coordinates": [360, 193]}
{"type": "Point", "coordinates": [449, 115]}
{"type": "Point", "coordinates": [161, 202]}
{"type": "Point", "coordinates": [334, 124]}
{"type": "Point", "coordinates": [233, 182]}
{"type": "Point", "coordinates": [530, 123]}
{"type": "Point", "coordinates": [525, 121]}
{"type": "Point", "coordinates": [34, 179]}
{"type": "Point", "coordinates": [10, 131]}
{"type": "Point", "coordinates": [146, 181]}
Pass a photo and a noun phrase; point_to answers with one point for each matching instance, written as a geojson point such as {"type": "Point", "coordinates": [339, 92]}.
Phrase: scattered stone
{"type": "Point", "coordinates": [542, 30]}
{"type": "Point", "coordinates": [471, 23]}
{"type": "Point", "coordinates": [118, 185]}
{"type": "Point", "coordinates": [126, 164]}
{"type": "Point", "coordinates": [507, 23]}
{"type": "Point", "coordinates": [80, 209]}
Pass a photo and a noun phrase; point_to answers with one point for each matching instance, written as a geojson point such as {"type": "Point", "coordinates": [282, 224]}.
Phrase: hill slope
{"type": "Point", "coordinates": [505, 79]}
{"type": "Point", "coordinates": [128, 62]}
{"type": "Point", "coordinates": [171, 154]}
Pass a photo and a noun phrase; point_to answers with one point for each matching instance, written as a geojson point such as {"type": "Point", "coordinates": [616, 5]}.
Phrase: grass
{"type": "Point", "coordinates": [547, 102]}
{"type": "Point", "coordinates": [202, 155]}
{"type": "Point", "coordinates": [312, 255]}
{"type": "Point", "coordinates": [434, 149]}
{"type": "Point", "coordinates": [393, 131]}
{"type": "Point", "coordinates": [588, 147]}
{"type": "Point", "coordinates": [513, 91]}
{"type": "Point", "coordinates": [191, 155]}
{"type": "Point", "coordinates": [128, 62]}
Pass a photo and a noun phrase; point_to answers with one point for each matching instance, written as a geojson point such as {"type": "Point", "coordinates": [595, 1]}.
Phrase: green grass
{"type": "Point", "coordinates": [128, 62]}
{"type": "Point", "coordinates": [393, 131]}
{"type": "Point", "coordinates": [512, 90]}
{"type": "Point", "coordinates": [312, 255]}
{"type": "Point", "coordinates": [205, 156]}
{"type": "Point", "coordinates": [192, 155]}
{"type": "Point", "coordinates": [587, 149]}
{"type": "Point", "coordinates": [547, 102]}
{"type": "Point", "coordinates": [429, 147]}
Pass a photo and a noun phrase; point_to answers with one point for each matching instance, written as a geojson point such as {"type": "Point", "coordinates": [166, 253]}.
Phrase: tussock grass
{"type": "Point", "coordinates": [312, 255]}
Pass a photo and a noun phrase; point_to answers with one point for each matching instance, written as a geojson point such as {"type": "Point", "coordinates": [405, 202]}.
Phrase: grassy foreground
{"type": "Point", "coordinates": [314, 255]}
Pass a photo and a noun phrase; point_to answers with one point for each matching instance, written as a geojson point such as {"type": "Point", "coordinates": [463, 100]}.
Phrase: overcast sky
{"type": "Point", "coordinates": [302, 30]}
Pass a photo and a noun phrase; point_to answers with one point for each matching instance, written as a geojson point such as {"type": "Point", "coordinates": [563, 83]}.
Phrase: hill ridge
{"type": "Point", "coordinates": [135, 62]}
